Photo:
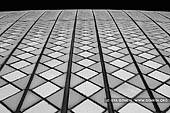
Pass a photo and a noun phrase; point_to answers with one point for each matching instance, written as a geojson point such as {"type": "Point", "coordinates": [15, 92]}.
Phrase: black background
{"type": "Point", "coordinates": [157, 5]}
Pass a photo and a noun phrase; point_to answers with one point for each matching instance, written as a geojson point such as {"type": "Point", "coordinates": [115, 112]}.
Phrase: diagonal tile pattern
{"type": "Point", "coordinates": [87, 56]}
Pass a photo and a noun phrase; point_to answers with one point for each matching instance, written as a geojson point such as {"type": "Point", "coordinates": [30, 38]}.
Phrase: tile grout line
{"type": "Point", "coordinates": [13, 22]}
{"type": "Point", "coordinates": [163, 15]}
{"type": "Point", "coordinates": [35, 67]}
{"type": "Point", "coordinates": [104, 73]}
{"type": "Point", "coordinates": [69, 69]}
{"type": "Point", "coordinates": [165, 32]}
{"type": "Point", "coordinates": [138, 69]}
{"type": "Point", "coordinates": [162, 56]}
{"type": "Point", "coordinates": [18, 43]}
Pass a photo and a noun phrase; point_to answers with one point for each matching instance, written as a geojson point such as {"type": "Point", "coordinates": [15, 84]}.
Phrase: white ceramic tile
{"type": "Point", "coordinates": [159, 75]}
{"type": "Point", "coordinates": [85, 47]}
{"type": "Point", "coordinates": [7, 91]}
{"type": "Point", "coordinates": [116, 54]}
{"type": "Point", "coordinates": [87, 88]}
{"type": "Point", "coordinates": [20, 64]}
{"type": "Point", "coordinates": [53, 63]}
{"type": "Point", "coordinates": [86, 62]}
{"type": "Point", "coordinates": [59, 42]}
{"type": "Point", "coordinates": [85, 54]}
{"type": "Point", "coordinates": [46, 89]}
{"type": "Point", "coordinates": [86, 73]}
{"type": "Point", "coordinates": [14, 76]}
{"type": "Point", "coordinates": [119, 63]}
{"type": "Point", "coordinates": [133, 108]}
{"type": "Point", "coordinates": [85, 42]}
{"type": "Point", "coordinates": [50, 74]}
{"type": "Point", "coordinates": [146, 55]}
{"type": "Point", "coordinates": [4, 109]}
{"type": "Point", "coordinates": [164, 89]}
{"type": "Point", "coordinates": [152, 64]}
{"type": "Point", "coordinates": [25, 55]}
{"type": "Point", "coordinates": [2, 50]}
{"type": "Point", "coordinates": [115, 48]}
{"type": "Point", "coordinates": [55, 54]}
{"type": "Point", "coordinates": [88, 107]}
{"type": "Point", "coordinates": [42, 107]}
{"type": "Point", "coordinates": [122, 74]}
{"type": "Point", "coordinates": [29, 49]}
{"type": "Point", "coordinates": [56, 48]}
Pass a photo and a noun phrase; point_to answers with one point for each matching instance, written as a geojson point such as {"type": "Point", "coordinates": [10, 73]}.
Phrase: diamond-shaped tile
{"type": "Point", "coordinates": [7, 91]}
{"type": "Point", "coordinates": [32, 43]}
{"type": "Point", "coordinates": [134, 108]}
{"type": "Point", "coordinates": [87, 88]}
{"type": "Point", "coordinates": [116, 54]}
{"type": "Point", "coordinates": [115, 48]}
{"type": "Point", "coordinates": [128, 90]}
{"type": "Point", "coordinates": [20, 64]}
{"type": "Point", "coordinates": [4, 109]}
{"type": "Point", "coordinates": [146, 55]}
{"type": "Point", "coordinates": [25, 55]}
{"type": "Point", "coordinates": [85, 42]}
{"type": "Point", "coordinates": [86, 73]}
{"type": "Point", "coordinates": [85, 47]}
{"type": "Point", "coordinates": [2, 50]}
{"type": "Point", "coordinates": [88, 107]}
{"type": "Point", "coordinates": [14, 76]}
{"type": "Point", "coordinates": [55, 54]}
{"type": "Point", "coordinates": [152, 64]}
{"type": "Point", "coordinates": [46, 89]}
{"type": "Point", "coordinates": [85, 54]}
{"type": "Point", "coordinates": [119, 63]}
{"type": "Point", "coordinates": [86, 38]}
{"type": "Point", "coordinates": [53, 63]}
{"type": "Point", "coordinates": [122, 74]}
{"type": "Point", "coordinates": [159, 75]}
{"type": "Point", "coordinates": [56, 48]}
{"type": "Point", "coordinates": [41, 107]}
{"type": "Point", "coordinates": [29, 49]}
{"type": "Point", "coordinates": [50, 74]}
{"type": "Point", "coordinates": [86, 62]}
{"type": "Point", "coordinates": [59, 42]}
{"type": "Point", "coordinates": [164, 89]}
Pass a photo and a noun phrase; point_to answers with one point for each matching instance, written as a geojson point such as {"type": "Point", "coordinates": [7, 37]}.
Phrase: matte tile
{"type": "Point", "coordinates": [128, 90]}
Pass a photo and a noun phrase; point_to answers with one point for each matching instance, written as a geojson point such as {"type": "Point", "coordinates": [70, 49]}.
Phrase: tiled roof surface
{"type": "Point", "coordinates": [84, 61]}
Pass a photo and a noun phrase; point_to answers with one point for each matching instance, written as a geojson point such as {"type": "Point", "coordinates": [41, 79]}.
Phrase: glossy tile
{"type": "Point", "coordinates": [86, 73]}
{"type": "Point", "coordinates": [7, 91]}
{"type": "Point", "coordinates": [164, 90]}
{"type": "Point", "coordinates": [122, 74]}
{"type": "Point", "coordinates": [50, 74]}
{"type": "Point", "coordinates": [87, 88]}
{"type": "Point", "coordinates": [134, 108]}
{"type": "Point", "coordinates": [119, 63]}
{"type": "Point", "coordinates": [88, 106]}
{"type": "Point", "coordinates": [14, 76]}
{"type": "Point", "coordinates": [46, 89]}
{"type": "Point", "coordinates": [86, 62]}
{"type": "Point", "coordinates": [20, 64]}
{"type": "Point", "coordinates": [42, 107]}
{"type": "Point", "coordinates": [159, 75]}
{"type": "Point", "coordinates": [152, 64]}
